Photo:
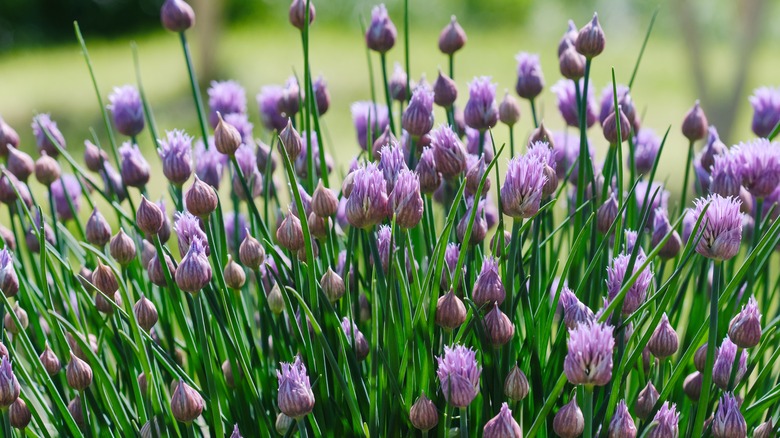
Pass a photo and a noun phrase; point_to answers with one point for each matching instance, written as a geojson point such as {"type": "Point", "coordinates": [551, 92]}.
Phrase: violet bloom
{"type": "Point", "coordinates": [502, 425]}
{"type": "Point", "coordinates": [289, 104]}
{"type": "Point", "coordinates": [759, 162]}
{"type": "Point", "coordinates": [194, 272]}
{"type": "Point", "coordinates": [567, 103]}
{"type": "Point", "coordinates": [242, 124]}
{"type": "Point", "coordinates": [666, 420]}
{"type": "Point", "coordinates": [418, 116]}
{"type": "Point", "coordinates": [712, 148]}
{"type": "Point", "coordinates": [617, 273]}
{"type": "Point", "coordinates": [530, 80]}
{"type": "Point", "coordinates": [381, 33]}
{"type": "Point", "coordinates": [521, 194]}
{"type": "Point", "coordinates": [385, 246]}
{"type": "Point", "coordinates": [725, 355]}
{"type": "Point", "coordinates": [66, 187]}
{"type": "Point", "coordinates": [728, 421]}
{"type": "Point", "coordinates": [9, 282]}
{"type": "Point", "coordinates": [646, 146]}
{"type": "Point", "coordinates": [405, 199]}
{"type": "Point", "coordinates": [566, 151]}
{"type": "Point", "coordinates": [210, 164]}
{"type": "Point", "coordinates": [726, 177]}
{"type": "Point", "coordinates": [225, 97]}
{"type": "Point", "coordinates": [127, 110]}
{"type": "Point", "coordinates": [40, 125]}
{"type": "Point", "coordinates": [302, 161]}
{"type": "Point", "coordinates": [235, 223]}
{"type": "Point", "coordinates": [589, 360]}
{"type": "Point", "coordinates": [662, 227]}
{"type": "Point", "coordinates": [397, 83]}
{"type": "Point", "coordinates": [745, 327]}
{"type": "Point", "coordinates": [766, 110]}
{"type": "Point", "coordinates": [245, 157]}
{"type": "Point", "coordinates": [268, 103]}
{"type": "Point", "coordinates": [481, 112]}
{"type": "Point", "coordinates": [651, 196]}
{"type": "Point", "coordinates": [295, 399]}
{"type": "Point", "coordinates": [135, 169]}
{"type": "Point", "coordinates": [176, 154]}
{"type": "Point", "coordinates": [488, 287]}
{"type": "Point", "coordinates": [448, 151]}
{"type": "Point", "coordinates": [451, 255]}
{"type": "Point", "coordinates": [624, 101]}
{"type": "Point", "coordinates": [321, 95]}
{"type": "Point", "coordinates": [367, 204]}
{"type": "Point", "coordinates": [721, 227]}
{"type": "Point", "coordinates": [391, 163]}
{"type": "Point", "coordinates": [459, 373]}
{"type": "Point", "coordinates": [188, 228]}
{"type": "Point", "coordinates": [370, 120]}
{"type": "Point", "coordinates": [473, 147]}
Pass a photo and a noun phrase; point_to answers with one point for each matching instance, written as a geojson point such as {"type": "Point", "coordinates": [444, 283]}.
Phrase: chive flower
{"type": "Point", "coordinates": [589, 358]}
{"type": "Point", "coordinates": [295, 397]}
{"type": "Point", "coordinates": [720, 231]}
{"type": "Point", "coordinates": [458, 373]}
{"type": "Point", "coordinates": [127, 110]}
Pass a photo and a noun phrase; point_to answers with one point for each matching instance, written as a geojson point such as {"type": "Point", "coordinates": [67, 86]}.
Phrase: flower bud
{"type": "Point", "coordinates": [502, 425]}
{"type": "Point", "coordinates": [429, 177]}
{"type": "Point", "coordinates": [360, 343]}
{"type": "Point", "coordinates": [452, 37]}
{"type": "Point", "coordinates": [251, 253]}
{"type": "Point", "coordinates": [609, 128]}
{"type": "Point", "coordinates": [50, 361]}
{"type": "Point", "coordinates": [728, 422]}
{"type": "Point", "coordinates": [692, 385]}
{"type": "Point", "coordinates": [194, 271]}
{"type": "Point", "coordinates": [275, 300]}
{"type": "Point", "coordinates": [107, 305]}
{"type": "Point", "coordinates": [75, 410]}
{"type": "Point", "coordinates": [516, 384]}
{"type": "Point", "coordinates": [646, 400]}
{"type": "Point", "coordinates": [78, 373]}
{"type": "Point", "coordinates": [445, 91]}
{"type": "Point", "coordinates": [423, 414]}
{"type": "Point", "coordinates": [291, 141]}
{"type": "Point", "coordinates": [381, 33]}
{"type": "Point", "coordinates": [290, 234]}
{"type": "Point", "coordinates": [19, 414]}
{"type": "Point", "coordinates": [495, 246]}
{"type": "Point", "coordinates": [20, 164]}
{"type": "Point", "coordinates": [227, 138]}
{"type": "Point", "coordinates": [332, 285]}
{"type": "Point", "coordinates": [103, 278]}
{"type": "Point", "coordinates": [317, 227]}
{"type": "Point", "coordinates": [9, 386]}
{"type": "Point", "coordinates": [201, 199]}
{"type": "Point", "coordinates": [606, 214]}
{"type": "Point", "coordinates": [663, 342]}
{"type": "Point", "coordinates": [700, 358]}
{"type": "Point", "coordinates": [143, 384]}
{"type": "Point", "coordinates": [530, 80]}
{"type": "Point", "coordinates": [283, 424]}
{"type": "Point", "coordinates": [122, 248]}
{"type": "Point", "coordinates": [10, 324]}
{"type": "Point", "coordinates": [405, 199]}
{"type": "Point", "coordinates": [8, 135]}
{"type": "Point", "coordinates": [97, 230]}
{"type": "Point", "coordinates": [622, 425]}
{"type": "Point", "coordinates": [541, 134]}
{"type": "Point", "coordinates": [765, 430]}
{"type": "Point", "coordinates": [324, 202]}
{"type": "Point", "coordinates": [498, 328]}
{"type": "Point", "coordinates": [695, 125]}
{"type": "Point", "coordinates": [590, 39]}
{"type": "Point", "coordinates": [177, 15]}
{"type": "Point", "coordinates": [145, 313]}
{"type": "Point", "coordinates": [509, 110]}
{"type": "Point", "coordinates": [450, 311]}
{"type": "Point", "coordinates": [745, 327]}
{"type": "Point", "coordinates": [488, 288]}
{"type": "Point", "coordinates": [149, 217]}
{"type": "Point", "coordinates": [9, 281]}
{"type": "Point", "coordinates": [569, 421]}
{"type": "Point", "coordinates": [234, 274]}
{"type": "Point", "coordinates": [474, 177]}
{"type": "Point", "coordinates": [298, 13]}
{"type": "Point", "coordinates": [155, 270]}
{"type": "Point", "coordinates": [571, 63]}
{"type": "Point", "coordinates": [186, 403]}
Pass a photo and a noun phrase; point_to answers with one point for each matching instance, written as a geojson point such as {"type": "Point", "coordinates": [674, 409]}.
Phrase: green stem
{"type": "Point", "coordinates": [464, 422]}
{"type": "Point", "coordinates": [302, 427]}
{"type": "Point", "coordinates": [512, 141]}
{"type": "Point", "coordinates": [533, 113]}
{"type": "Point", "coordinates": [701, 412]}
{"type": "Point", "coordinates": [195, 88]}
{"type": "Point", "coordinates": [452, 66]}
{"type": "Point", "coordinates": [687, 177]}
{"type": "Point", "coordinates": [587, 411]}
{"type": "Point", "coordinates": [383, 58]}
{"type": "Point", "coordinates": [7, 424]}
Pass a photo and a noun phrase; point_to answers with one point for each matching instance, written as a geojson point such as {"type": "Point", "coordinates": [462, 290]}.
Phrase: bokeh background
{"type": "Point", "coordinates": [714, 50]}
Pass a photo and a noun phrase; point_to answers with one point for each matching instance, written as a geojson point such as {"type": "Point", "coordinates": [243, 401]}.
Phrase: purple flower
{"type": "Point", "coordinates": [448, 151]}
{"type": "Point", "coordinates": [481, 112]}
{"type": "Point", "coordinates": [381, 33]}
{"type": "Point", "coordinates": [405, 199]}
{"type": "Point", "coordinates": [210, 163]}
{"type": "Point", "coordinates": [488, 287]}
{"type": "Point", "coordinates": [617, 274]}
{"type": "Point", "coordinates": [724, 363]}
{"type": "Point", "coordinates": [289, 102]}
{"type": "Point", "coordinates": [479, 228]}
{"type": "Point", "coordinates": [766, 110]}
{"type": "Point", "coordinates": [383, 242]}
{"type": "Point", "coordinates": [391, 163]}
{"type": "Point", "coordinates": [589, 360]}
{"type": "Point", "coordinates": [728, 421]}
{"type": "Point", "coordinates": [367, 204]}
{"type": "Point", "coordinates": [321, 95]}
{"type": "Point", "coordinates": [646, 197]}
{"type": "Point", "coordinates": [369, 117]}
{"type": "Point", "coordinates": [397, 83]}
{"type": "Point", "coordinates": [235, 223]}
{"type": "Point", "coordinates": [721, 227]}
{"type": "Point", "coordinates": [665, 420]}
{"type": "Point", "coordinates": [242, 124]}
{"type": "Point", "coordinates": [40, 125]}
{"type": "Point", "coordinates": [745, 327]}
{"type": "Point", "coordinates": [176, 154]}
{"type": "Point", "coordinates": [646, 146]}
{"type": "Point", "coordinates": [62, 189]}
{"type": "Point", "coordinates": [712, 148]}
{"type": "Point", "coordinates": [458, 373]}
{"type": "Point", "coordinates": [502, 425]}
{"type": "Point", "coordinates": [567, 103]}
{"type": "Point", "coordinates": [622, 425]}
{"type": "Point", "coordinates": [726, 178]}
{"type": "Point", "coordinates": [521, 194]}
{"type": "Point", "coordinates": [9, 282]}
{"type": "Point", "coordinates": [451, 254]}
{"type": "Point", "coordinates": [662, 227]}
{"type": "Point", "coordinates": [127, 109]}
{"type": "Point", "coordinates": [759, 162]}
{"type": "Point", "coordinates": [624, 101]}
{"type": "Point", "coordinates": [188, 229]}
{"type": "Point", "coordinates": [295, 399]}
{"type": "Point", "coordinates": [268, 103]}
{"type": "Point", "coordinates": [530, 80]}
{"type": "Point", "coordinates": [418, 116]}
{"type": "Point", "coordinates": [566, 147]}
{"type": "Point", "coordinates": [135, 169]}
{"type": "Point", "coordinates": [302, 161]}
{"type": "Point", "coordinates": [351, 332]}
{"type": "Point", "coordinates": [472, 144]}
{"type": "Point", "coordinates": [225, 97]}
{"type": "Point", "coordinates": [9, 385]}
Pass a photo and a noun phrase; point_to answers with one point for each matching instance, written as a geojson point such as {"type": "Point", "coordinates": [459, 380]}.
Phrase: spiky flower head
{"type": "Point", "coordinates": [530, 80]}
{"type": "Point", "coordinates": [381, 33]}
{"type": "Point", "coordinates": [391, 163]}
{"type": "Point", "coordinates": [566, 94]}
{"type": "Point", "coordinates": [188, 228]}
{"type": "Point", "coordinates": [646, 147]}
{"type": "Point", "coordinates": [745, 327]}
{"type": "Point", "coordinates": [367, 203]}
{"type": "Point", "coordinates": [448, 151]}
{"type": "Point", "coordinates": [9, 282]}
{"type": "Point", "coordinates": [666, 420]}
{"type": "Point", "coordinates": [502, 425]}
{"type": "Point", "coordinates": [459, 372]}
{"type": "Point", "coordinates": [488, 287]}
{"type": "Point", "coordinates": [225, 97]}
{"type": "Point", "coordinates": [589, 359]}
{"type": "Point", "coordinates": [726, 175]}
{"type": "Point", "coordinates": [725, 356]}
{"type": "Point", "coordinates": [295, 399]}
{"type": "Point", "coordinates": [759, 163]}
{"type": "Point", "coordinates": [127, 110]}
{"type": "Point", "coordinates": [194, 271]}
{"type": "Point", "coordinates": [521, 194]}
{"type": "Point", "coordinates": [210, 163]}
{"type": "Point", "coordinates": [418, 116]}
{"type": "Point", "coordinates": [176, 154]}
{"type": "Point", "coordinates": [370, 120]}
{"type": "Point", "coordinates": [622, 425]}
{"type": "Point", "coordinates": [428, 175]}
{"type": "Point", "coordinates": [617, 273]}
{"type": "Point", "coordinates": [766, 110]}
{"type": "Point", "coordinates": [268, 103]}
{"type": "Point", "coordinates": [728, 422]}
{"type": "Point", "coordinates": [721, 227]}
{"type": "Point", "coordinates": [9, 386]}
{"type": "Point", "coordinates": [41, 124]}
{"type": "Point", "coordinates": [406, 200]}
{"type": "Point", "coordinates": [481, 112]}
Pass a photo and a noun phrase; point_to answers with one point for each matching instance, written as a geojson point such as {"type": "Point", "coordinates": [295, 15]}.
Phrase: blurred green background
{"type": "Point", "coordinates": [714, 50]}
